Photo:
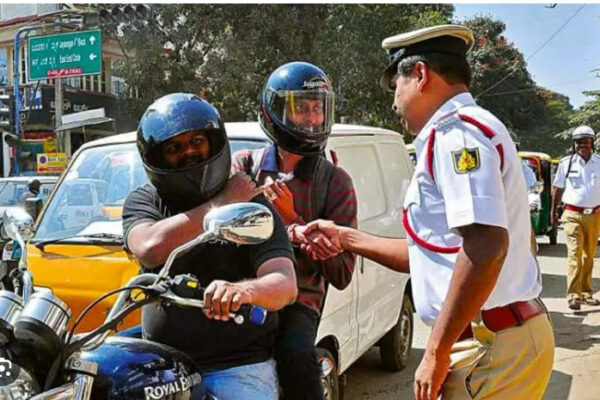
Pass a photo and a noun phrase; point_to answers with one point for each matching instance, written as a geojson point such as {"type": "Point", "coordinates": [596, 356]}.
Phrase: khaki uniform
{"type": "Point", "coordinates": [581, 232]}
{"type": "Point", "coordinates": [580, 181]}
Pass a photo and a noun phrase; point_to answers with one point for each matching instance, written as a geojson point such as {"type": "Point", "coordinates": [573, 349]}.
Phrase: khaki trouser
{"type": "Point", "coordinates": [582, 237]}
{"type": "Point", "coordinates": [515, 363]}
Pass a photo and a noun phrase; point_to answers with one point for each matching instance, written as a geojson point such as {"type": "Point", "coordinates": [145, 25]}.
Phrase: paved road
{"type": "Point", "coordinates": [576, 373]}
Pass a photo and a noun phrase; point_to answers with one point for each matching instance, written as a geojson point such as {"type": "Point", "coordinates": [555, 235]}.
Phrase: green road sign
{"type": "Point", "coordinates": [65, 54]}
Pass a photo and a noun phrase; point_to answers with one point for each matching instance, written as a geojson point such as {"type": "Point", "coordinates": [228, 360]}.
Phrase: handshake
{"type": "Point", "coordinates": [321, 239]}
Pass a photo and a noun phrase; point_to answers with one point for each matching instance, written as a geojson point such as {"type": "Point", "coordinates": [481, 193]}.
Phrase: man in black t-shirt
{"type": "Point", "coordinates": [184, 148]}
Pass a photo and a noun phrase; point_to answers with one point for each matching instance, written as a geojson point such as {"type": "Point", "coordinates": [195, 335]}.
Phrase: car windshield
{"type": "Point", "coordinates": [89, 201]}
{"type": "Point", "coordinates": [11, 191]}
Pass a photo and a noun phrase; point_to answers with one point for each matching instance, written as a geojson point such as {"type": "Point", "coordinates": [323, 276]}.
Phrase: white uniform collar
{"type": "Point", "coordinates": [593, 158]}
{"type": "Point", "coordinates": [460, 100]}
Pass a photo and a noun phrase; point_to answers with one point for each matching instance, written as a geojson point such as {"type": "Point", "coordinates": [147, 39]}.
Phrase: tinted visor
{"type": "Point", "coordinates": [307, 112]}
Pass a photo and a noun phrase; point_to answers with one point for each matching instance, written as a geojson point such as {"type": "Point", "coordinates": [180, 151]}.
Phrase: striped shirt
{"type": "Point", "coordinates": [340, 207]}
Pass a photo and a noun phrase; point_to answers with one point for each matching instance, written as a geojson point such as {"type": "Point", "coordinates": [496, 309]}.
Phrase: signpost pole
{"type": "Point", "coordinates": [58, 107]}
{"type": "Point", "coordinates": [16, 93]}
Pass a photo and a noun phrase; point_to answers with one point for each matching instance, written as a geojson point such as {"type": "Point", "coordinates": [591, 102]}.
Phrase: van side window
{"type": "Point", "coordinates": [360, 161]}
{"type": "Point", "coordinates": [397, 171]}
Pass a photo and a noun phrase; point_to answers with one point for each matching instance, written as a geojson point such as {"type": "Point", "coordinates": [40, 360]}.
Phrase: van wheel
{"type": "Point", "coordinates": [553, 235]}
{"type": "Point", "coordinates": [395, 346]}
{"type": "Point", "coordinates": [329, 375]}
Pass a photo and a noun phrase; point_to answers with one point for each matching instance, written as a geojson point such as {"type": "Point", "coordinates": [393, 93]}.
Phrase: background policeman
{"type": "Point", "coordinates": [577, 183]}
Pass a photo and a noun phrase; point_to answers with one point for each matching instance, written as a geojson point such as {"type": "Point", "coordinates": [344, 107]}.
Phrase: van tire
{"type": "Point", "coordinates": [395, 346]}
{"type": "Point", "coordinates": [331, 384]}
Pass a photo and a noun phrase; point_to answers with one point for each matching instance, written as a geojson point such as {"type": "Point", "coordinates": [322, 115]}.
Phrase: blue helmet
{"type": "Point", "coordinates": [184, 187]}
{"type": "Point", "coordinates": [297, 108]}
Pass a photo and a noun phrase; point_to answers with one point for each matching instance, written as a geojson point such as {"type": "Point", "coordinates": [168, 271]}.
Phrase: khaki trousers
{"type": "Point", "coordinates": [582, 237]}
{"type": "Point", "coordinates": [513, 364]}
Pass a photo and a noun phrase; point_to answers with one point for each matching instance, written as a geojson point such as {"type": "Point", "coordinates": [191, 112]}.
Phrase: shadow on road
{"type": "Point", "coordinates": [366, 379]}
{"type": "Point", "coordinates": [570, 331]}
{"type": "Point", "coordinates": [559, 386]}
{"type": "Point", "coordinates": [555, 286]}
{"type": "Point", "coordinates": [548, 250]}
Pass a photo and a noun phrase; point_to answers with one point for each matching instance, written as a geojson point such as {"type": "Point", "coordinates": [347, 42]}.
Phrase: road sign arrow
{"type": "Point", "coordinates": [92, 40]}
{"type": "Point", "coordinates": [93, 56]}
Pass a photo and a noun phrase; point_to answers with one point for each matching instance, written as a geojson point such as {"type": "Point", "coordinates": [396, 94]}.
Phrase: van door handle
{"type": "Point", "coordinates": [362, 265]}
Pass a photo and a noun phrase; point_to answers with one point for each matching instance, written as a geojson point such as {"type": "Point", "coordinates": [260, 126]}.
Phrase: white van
{"type": "Point", "coordinates": [375, 309]}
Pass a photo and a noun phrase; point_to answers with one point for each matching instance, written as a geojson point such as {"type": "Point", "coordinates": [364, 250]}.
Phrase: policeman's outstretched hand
{"type": "Point", "coordinates": [282, 199]}
{"type": "Point", "coordinates": [430, 375]}
{"type": "Point", "coordinates": [321, 244]}
{"type": "Point", "coordinates": [239, 188]}
{"type": "Point", "coordinates": [221, 298]}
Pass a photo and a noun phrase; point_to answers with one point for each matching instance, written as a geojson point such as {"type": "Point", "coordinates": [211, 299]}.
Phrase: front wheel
{"type": "Point", "coordinates": [329, 374]}
{"type": "Point", "coordinates": [395, 346]}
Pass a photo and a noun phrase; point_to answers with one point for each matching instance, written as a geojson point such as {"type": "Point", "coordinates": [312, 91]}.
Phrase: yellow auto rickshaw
{"type": "Point", "coordinates": [543, 166]}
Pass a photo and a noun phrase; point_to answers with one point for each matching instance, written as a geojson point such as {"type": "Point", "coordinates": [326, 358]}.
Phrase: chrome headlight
{"type": "Point", "coordinates": [11, 306]}
{"type": "Point", "coordinates": [43, 321]}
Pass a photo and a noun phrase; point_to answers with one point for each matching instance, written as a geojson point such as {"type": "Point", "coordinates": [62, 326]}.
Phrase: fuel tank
{"type": "Point", "coordinates": [131, 368]}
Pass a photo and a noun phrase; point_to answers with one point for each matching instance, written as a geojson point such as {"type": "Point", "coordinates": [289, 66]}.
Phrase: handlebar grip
{"type": "Point", "coordinates": [255, 314]}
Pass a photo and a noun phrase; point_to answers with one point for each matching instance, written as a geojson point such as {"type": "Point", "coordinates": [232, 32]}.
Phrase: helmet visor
{"type": "Point", "coordinates": [308, 112]}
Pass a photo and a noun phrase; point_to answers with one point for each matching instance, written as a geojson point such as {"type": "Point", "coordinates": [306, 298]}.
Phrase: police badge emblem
{"type": "Point", "coordinates": [465, 160]}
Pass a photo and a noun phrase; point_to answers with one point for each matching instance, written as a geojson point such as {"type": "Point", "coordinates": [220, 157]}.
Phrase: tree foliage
{"type": "Point", "coordinates": [503, 85]}
{"type": "Point", "coordinates": [226, 52]}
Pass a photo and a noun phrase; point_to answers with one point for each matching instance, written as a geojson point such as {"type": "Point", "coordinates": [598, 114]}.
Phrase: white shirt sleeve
{"type": "Point", "coordinates": [559, 178]}
{"type": "Point", "coordinates": [473, 192]}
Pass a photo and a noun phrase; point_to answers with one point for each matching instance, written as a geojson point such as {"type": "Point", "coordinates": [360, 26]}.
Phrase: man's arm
{"type": "Point", "coordinates": [389, 252]}
{"type": "Point", "coordinates": [274, 288]}
{"type": "Point", "coordinates": [476, 270]}
{"type": "Point", "coordinates": [556, 199]}
{"type": "Point", "coordinates": [152, 242]}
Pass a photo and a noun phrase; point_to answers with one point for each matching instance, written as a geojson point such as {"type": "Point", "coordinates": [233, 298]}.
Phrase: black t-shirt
{"type": "Point", "coordinates": [211, 344]}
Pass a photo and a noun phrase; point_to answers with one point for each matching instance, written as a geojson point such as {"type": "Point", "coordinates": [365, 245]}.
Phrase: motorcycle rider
{"type": "Point", "coordinates": [185, 151]}
{"type": "Point", "coordinates": [297, 114]}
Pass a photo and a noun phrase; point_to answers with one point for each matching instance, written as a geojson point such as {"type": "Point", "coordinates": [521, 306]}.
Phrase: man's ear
{"type": "Point", "coordinates": [421, 72]}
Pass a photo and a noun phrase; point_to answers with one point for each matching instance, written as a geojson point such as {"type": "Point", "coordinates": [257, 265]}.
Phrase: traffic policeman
{"type": "Point", "coordinates": [474, 277]}
{"type": "Point", "coordinates": [577, 183]}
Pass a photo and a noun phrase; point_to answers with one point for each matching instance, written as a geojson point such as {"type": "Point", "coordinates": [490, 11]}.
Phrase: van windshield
{"type": "Point", "coordinates": [89, 200]}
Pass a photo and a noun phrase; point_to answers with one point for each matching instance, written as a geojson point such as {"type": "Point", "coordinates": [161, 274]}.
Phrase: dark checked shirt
{"type": "Point", "coordinates": [340, 207]}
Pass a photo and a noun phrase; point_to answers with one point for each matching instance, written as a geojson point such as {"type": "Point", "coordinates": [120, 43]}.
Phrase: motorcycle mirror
{"type": "Point", "coordinates": [242, 223]}
{"type": "Point", "coordinates": [18, 224]}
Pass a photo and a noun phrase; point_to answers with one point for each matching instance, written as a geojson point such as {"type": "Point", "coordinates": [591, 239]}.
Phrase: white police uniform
{"type": "Point", "coordinates": [582, 185]}
{"type": "Point", "coordinates": [468, 172]}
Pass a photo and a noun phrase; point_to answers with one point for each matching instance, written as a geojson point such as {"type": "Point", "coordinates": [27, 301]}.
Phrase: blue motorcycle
{"type": "Point", "coordinates": [39, 359]}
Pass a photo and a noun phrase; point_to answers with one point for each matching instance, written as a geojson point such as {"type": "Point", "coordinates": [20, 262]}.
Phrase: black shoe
{"type": "Point", "coordinates": [575, 304]}
{"type": "Point", "coordinates": [590, 301]}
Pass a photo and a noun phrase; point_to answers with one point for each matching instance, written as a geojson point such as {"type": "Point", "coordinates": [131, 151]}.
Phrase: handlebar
{"type": "Point", "coordinates": [181, 290]}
